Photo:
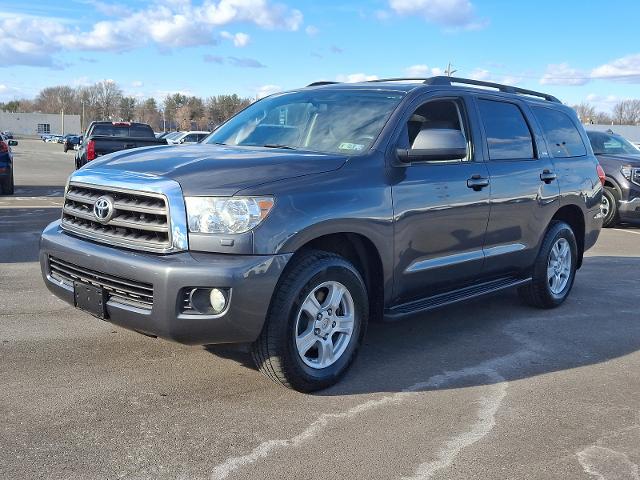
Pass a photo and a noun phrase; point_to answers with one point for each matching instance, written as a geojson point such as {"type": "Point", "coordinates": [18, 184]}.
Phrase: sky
{"type": "Point", "coordinates": [575, 50]}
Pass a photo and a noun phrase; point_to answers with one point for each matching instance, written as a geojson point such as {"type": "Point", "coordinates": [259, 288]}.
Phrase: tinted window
{"type": "Point", "coordinates": [605, 144]}
{"type": "Point", "coordinates": [141, 131]}
{"type": "Point", "coordinates": [507, 132]}
{"type": "Point", "coordinates": [321, 120]}
{"type": "Point", "coordinates": [562, 135]}
{"type": "Point", "coordinates": [111, 130]}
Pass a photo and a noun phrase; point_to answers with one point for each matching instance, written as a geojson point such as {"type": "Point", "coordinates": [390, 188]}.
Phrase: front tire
{"type": "Point", "coordinates": [315, 324]}
{"type": "Point", "coordinates": [610, 208]}
{"type": "Point", "coordinates": [554, 269]}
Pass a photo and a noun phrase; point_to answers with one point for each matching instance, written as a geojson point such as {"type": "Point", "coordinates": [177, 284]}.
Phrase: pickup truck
{"type": "Point", "coordinates": [314, 211]}
{"type": "Point", "coordinates": [103, 138]}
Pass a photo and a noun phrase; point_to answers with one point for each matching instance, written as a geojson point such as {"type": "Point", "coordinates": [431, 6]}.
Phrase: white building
{"type": "Point", "coordinates": [37, 123]}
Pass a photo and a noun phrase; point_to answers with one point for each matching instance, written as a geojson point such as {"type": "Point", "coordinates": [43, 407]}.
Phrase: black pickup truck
{"type": "Point", "coordinates": [108, 137]}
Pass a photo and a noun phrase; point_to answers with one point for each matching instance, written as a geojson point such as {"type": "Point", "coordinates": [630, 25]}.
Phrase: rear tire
{"type": "Point", "coordinates": [554, 269]}
{"type": "Point", "coordinates": [610, 207]}
{"type": "Point", "coordinates": [315, 324]}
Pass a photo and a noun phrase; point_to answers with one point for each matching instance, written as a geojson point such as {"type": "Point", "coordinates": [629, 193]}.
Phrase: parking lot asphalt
{"type": "Point", "coordinates": [488, 389]}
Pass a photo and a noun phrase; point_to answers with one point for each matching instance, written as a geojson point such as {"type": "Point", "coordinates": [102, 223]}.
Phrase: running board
{"type": "Point", "coordinates": [455, 296]}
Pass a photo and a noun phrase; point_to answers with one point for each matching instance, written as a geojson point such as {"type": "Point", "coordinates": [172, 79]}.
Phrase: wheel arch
{"type": "Point", "coordinates": [574, 217]}
{"type": "Point", "coordinates": [359, 249]}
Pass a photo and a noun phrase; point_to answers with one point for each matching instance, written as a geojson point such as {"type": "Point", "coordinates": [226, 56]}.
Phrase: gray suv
{"type": "Point", "coordinates": [312, 212]}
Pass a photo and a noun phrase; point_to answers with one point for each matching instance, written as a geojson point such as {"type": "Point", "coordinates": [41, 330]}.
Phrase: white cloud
{"type": "Point", "coordinates": [480, 74]}
{"type": "Point", "coordinates": [239, 39]}
{"type": "Point", "coordinates": [267, 90]}
{"type": "Point", "coordinates": [356, 78]}
{"type": "Point", "coordinates": [624, 69]}
{"type": "Point", "coordinates": [8, 93]}
{"type": "Point", "coordinates": [29, 40]}
{"type": "Point", "coordinates": [137, 84]}
{"type": "Point", "coordinates": [563, 74]}
{"type": "Point", "coordinates": [422, 70]}
{"type": "Point", "coordinates": [312, 30]}
{"type": "Point", "coordinates": [453, 14]}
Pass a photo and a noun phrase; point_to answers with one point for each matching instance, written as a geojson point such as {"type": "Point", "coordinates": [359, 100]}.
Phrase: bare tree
{"type": "Point", "coordinates": [108, 99]}
{"type": "Point", "coordinates": [586, 112]}
{"type": "Point", "coordinates": [627, 112]}
{"type": "Point", "coordinates": [56, 100]}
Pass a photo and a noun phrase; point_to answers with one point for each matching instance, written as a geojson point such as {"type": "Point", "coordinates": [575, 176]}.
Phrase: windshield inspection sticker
{"type": "Point", "coordinates": [350, 146]}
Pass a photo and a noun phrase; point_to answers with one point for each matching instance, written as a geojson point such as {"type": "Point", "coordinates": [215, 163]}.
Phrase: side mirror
{"type": "Point", "coordinates": [13, 143]}
{"type": "Point", "coordinates": [435, 144]}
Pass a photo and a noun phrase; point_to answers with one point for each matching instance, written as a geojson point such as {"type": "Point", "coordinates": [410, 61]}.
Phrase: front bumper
{"type": "Point", "coordinates": [629, 210]}
{"type": "Point", "coordinates": [251, 278]}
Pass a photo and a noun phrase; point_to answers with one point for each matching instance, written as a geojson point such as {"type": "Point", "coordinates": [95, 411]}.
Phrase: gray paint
{"type": "Point", "coordinates": [27, 123]}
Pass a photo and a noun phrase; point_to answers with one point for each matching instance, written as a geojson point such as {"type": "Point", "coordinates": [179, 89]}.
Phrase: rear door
{"type": "Point", "coordinates": [524, 186]}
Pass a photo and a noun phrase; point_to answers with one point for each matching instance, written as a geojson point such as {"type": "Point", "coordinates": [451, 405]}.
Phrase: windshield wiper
{"type": "Point", "coordinates": [277, 145]}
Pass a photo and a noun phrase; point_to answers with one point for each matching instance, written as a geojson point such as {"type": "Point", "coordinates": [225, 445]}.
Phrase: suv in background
{"type": "Point", "coordinates": [313, 211]}
{"type": "Point", "coordinates": [620, 160]}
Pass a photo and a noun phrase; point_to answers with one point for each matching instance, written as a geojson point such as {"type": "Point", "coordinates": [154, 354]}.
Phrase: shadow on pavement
{"type": "Point", "coordinates": [20, 230]}
{"type": "Point", "coordinates": [497, 334]}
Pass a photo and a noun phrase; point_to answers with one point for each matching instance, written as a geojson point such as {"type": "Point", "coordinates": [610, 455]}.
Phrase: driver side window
{"type": "Point", "coordinates": [430, 116]}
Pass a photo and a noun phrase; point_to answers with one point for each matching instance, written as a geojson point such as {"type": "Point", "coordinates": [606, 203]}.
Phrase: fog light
{"type": "Point", "coordinates": [209, 301]}
{"type": "Point", "coordinates": [218, 300]}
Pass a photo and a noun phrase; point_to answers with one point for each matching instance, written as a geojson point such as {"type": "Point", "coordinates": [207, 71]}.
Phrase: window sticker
{"type": "Point", "coordinates": [350, 146]}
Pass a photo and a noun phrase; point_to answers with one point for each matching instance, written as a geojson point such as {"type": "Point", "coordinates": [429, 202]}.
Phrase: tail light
{"type": "Point", "coordinates": [91, 150]}
{"type": "Point", "coordinates": [4, 148]}
{"type": "Point", "coordinates": [601, 175]}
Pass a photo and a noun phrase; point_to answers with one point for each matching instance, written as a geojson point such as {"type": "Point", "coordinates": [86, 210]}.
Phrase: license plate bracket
{"type": "Point", "coordinates": [90, 299]}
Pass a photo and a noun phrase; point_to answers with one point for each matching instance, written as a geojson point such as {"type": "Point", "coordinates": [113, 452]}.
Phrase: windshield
{"type": "Point", "coordinates": [326, 121]}
{"type": "Point", "coordinates": [173, 135]}
{"type": "Point", "coordinates": [605, 144]}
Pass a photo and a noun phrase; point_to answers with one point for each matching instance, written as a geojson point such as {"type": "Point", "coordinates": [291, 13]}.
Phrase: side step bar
{"type": "Point", "coordinates": [443, 299]}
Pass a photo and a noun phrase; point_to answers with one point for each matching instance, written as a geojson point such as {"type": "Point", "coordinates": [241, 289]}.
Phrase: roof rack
{"type": "Point", "coordinates": [443, 80]}
{"type": "Point", "coordinates": [320, 83]}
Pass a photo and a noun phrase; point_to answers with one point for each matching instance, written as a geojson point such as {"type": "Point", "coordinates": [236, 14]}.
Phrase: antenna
{"type": "Point", "coordinates": [448, 72]}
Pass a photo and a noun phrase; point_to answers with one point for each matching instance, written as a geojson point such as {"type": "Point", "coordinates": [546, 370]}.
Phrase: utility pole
{"type": "Point", "coordinates": [448, 71]}
{"type": "Point", "coordinates": [62, 114]}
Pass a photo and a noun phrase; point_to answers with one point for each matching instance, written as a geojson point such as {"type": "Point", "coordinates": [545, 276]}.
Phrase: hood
{"type": "Point", "coordinates": [626, 159]}
{"type": "Point", "coordinates": [215, 169]}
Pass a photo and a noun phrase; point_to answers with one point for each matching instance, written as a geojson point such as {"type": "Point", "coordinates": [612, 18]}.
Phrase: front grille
{"type": "Point", "coordinates": [635, 176]}
{"type": "Point", "coordinates": [121, 290]}
{"type": "Point", "coordinates": [140, 220]}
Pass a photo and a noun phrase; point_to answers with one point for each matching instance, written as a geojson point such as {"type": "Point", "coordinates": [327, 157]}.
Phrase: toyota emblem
{"type": "Point", "coordinates": [103, 209]}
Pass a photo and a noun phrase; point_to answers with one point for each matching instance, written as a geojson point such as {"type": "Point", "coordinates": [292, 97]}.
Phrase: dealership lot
{"type": "Point", "coordinates": [487, 389]}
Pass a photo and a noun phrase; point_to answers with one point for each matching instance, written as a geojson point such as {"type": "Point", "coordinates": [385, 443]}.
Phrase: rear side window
{"type": "Point", "coordinates": [562, 135]}
{"type": "Point", "coordinates": [508, 134]}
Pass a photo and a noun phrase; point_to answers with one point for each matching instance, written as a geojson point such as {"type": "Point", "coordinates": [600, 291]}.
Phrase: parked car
{"type": "Point", "coordinates": [313, 211]}
{"type": "Point", "coordinates": [190, 137]}
{"type": "Point", "coordinates": [53, 139]}
{"type": "Point", "coordinates": [172, 135]}
{"type": "Point", "coordinates": [108, 137]}
{"type": "Point", "coordinates": [70, 142]}
{"type": "Point", "coordinates": [6, 165]}
{"type": "Point", "coordinates": [8, 135]}
{"type": "Point", "coordinates": [621, 163]}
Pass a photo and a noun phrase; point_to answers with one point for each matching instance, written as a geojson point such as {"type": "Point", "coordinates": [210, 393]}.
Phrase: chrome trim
{"type": "Point", "coordinates": [148, 184]}
{"type": "Point", "coordinates": [422, 265]}
{"type": "Point", "coordinates": [503, 249]}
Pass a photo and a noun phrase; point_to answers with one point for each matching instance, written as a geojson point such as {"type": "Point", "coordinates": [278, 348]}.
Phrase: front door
{"type": "Point", "coordinates": [441, 208]}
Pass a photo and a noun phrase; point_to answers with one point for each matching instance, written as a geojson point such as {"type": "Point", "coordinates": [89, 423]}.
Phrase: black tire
{"type": "Point", "coordinates": [612, 218]}
{"type": "Point", "coordinates": [538, 293]}
{"type": "Point", "coordinates": [275, 352]}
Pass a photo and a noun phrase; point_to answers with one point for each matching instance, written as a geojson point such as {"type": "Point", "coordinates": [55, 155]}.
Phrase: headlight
{"type": "Point", "coordinates": [226, 214]}
{"type": "Point", "coordinates": [626, 172]}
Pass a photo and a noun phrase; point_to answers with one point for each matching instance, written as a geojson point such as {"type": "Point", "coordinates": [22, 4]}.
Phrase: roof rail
{"type": "Point", "coordinates": [321, 82]}
{"type": "Point", "coordinates": [442, 80]}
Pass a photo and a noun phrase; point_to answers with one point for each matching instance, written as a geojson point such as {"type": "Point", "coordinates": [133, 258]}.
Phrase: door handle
{"type": "Point", "coordinates": [477, 182]}
{"type": "Point", "coordinates": [547, 176]}
{"type": "Point", "coordinates": [129, 145]}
